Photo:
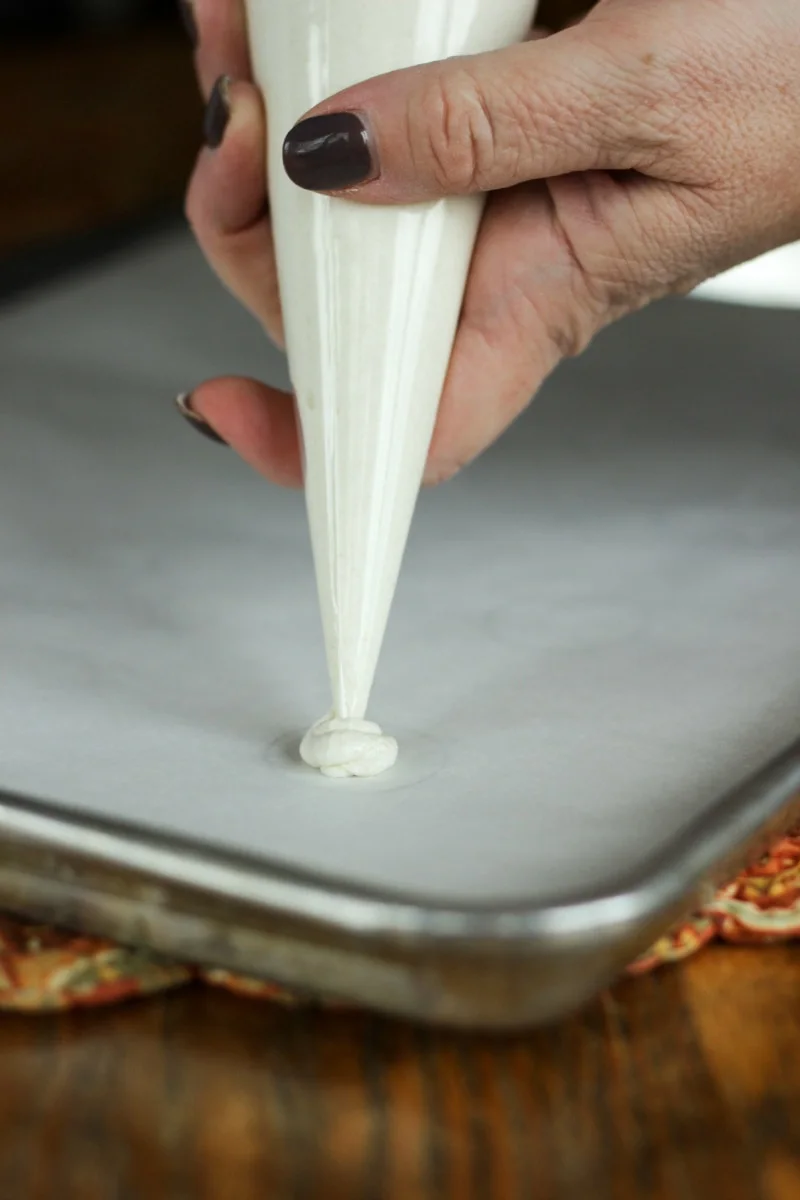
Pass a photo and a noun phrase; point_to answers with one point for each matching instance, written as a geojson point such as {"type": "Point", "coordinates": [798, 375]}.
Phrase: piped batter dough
{"type": "Point", "coordinates": [347, 749]}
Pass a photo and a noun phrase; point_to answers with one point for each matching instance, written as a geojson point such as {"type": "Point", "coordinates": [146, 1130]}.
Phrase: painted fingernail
{"type": "Point", "coordinates": [186, 9]}
{"type": "Point", "coordinates": [183, 404]}
{"type": "Point", "coordinates": [218, 113]}
{"type": "Point", "coordinates": [329, 153]}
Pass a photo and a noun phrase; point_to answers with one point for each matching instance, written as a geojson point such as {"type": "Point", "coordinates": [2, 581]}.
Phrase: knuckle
{"type": "Point", "coordinates": [459, 143]}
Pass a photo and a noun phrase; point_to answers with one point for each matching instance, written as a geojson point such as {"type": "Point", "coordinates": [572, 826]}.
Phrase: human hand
{"type": "Point", "coordinates": [629, 157]}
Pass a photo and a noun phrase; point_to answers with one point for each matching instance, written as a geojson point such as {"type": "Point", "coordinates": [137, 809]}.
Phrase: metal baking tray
{"type": "Point", "coordinates": [592, 667]}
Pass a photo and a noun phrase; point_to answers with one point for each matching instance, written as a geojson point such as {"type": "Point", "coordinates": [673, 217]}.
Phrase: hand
{"type": "Point", "coordinates": [630, 156]}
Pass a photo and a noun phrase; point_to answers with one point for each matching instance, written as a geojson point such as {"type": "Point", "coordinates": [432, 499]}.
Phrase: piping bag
{"type": "Point", "coordinates": [371, 300]}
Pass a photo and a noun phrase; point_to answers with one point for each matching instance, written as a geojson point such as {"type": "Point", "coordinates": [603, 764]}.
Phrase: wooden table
{"type": "Point", "coordinates": [680, 1086]}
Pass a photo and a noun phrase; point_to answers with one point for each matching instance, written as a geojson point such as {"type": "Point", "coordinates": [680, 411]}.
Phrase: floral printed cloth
{"type": "Point", "coordinates": [43, 969]}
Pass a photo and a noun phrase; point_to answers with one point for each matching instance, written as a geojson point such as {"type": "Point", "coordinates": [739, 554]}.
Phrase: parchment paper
{"type": "Point", "coordinates": [597, 631]}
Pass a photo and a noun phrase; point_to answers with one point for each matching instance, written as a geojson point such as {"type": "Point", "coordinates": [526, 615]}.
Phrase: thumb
{"type": "Point", "coordinates": [482, 123]}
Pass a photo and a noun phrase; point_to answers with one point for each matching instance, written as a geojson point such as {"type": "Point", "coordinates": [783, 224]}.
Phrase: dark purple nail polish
{"type": "Point", "coordinates": [329, 153]}
{"type": "Point", "coordinates": [184, 406]}
{"type": "Point", "coordinates": [218, 113]}
{"type": "Point", "coordinates": [186, 9]}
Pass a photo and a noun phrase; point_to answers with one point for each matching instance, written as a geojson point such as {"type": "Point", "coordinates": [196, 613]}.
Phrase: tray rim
{"type": "Point", "coordinates": [483, 965]}
{"type": "Point", "coordinates": [719, 831]}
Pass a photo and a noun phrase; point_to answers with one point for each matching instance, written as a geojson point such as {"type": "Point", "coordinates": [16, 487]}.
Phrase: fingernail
{"type": "Point", "coordinates": [186, 9]}
{"type": "Point", "coordinates": [183, 403]}
{"type": "Point", "coordinates": [218, 113]}
{"type": "Point", "coordinates": [329, 153]}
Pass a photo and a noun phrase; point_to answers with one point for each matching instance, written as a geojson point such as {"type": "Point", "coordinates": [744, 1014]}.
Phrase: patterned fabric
{"type": "Point", "coordinates": [44, 969]}
{"type": "Point", "coordinates": [760, 907]}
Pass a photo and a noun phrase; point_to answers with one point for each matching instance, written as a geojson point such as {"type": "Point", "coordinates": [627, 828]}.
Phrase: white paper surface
{"type": "Point", "coordinates": [772, 280]}
{"type": "Point", "coordinates": [598, 626]}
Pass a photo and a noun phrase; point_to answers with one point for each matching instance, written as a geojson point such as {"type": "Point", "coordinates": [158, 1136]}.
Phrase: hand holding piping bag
{"type": "Point", "coordinates": [628, 157]}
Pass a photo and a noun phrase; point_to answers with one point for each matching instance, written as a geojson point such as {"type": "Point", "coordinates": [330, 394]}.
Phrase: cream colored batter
{"type": "Point", "coordinates": [348, 748]}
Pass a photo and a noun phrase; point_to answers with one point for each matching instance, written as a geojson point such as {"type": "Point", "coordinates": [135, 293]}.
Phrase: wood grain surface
{"type": "Point", "coordinates": [680, 1086]}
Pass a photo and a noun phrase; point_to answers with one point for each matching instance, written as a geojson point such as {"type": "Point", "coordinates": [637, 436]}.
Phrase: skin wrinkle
{"type": "Point", "coordinates": [594, 288]}
{"type": "Point", "coordinates": [490, 141]}
{"type": "Point", "coordinates": [628, 283]}
{"type": "Point", "coordinates": [508, 115]}
{"type": "Point", "coordinates": [455, 144]}
{"type": "Point", "coordinates": [586, 214]}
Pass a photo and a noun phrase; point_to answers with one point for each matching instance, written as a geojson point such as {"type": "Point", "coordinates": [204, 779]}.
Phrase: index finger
{"type": "Point", "coordinates": [222, 46]}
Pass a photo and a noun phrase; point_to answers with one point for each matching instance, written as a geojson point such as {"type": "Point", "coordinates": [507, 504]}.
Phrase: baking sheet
{"type": "Point", "coordinates": [596, 634]}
